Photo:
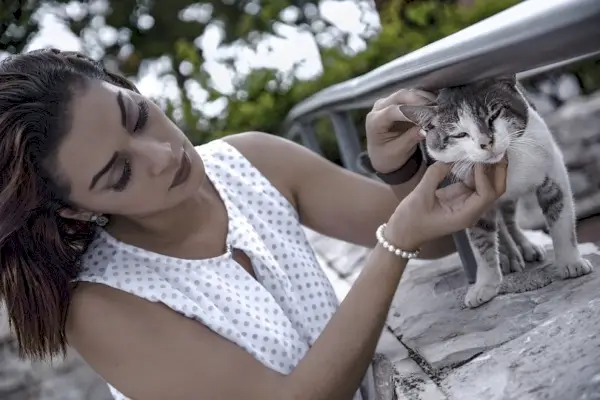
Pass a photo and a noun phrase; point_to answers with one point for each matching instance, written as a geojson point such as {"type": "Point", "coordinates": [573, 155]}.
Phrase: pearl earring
{"type": "Point", "coordinates": [99, 219]}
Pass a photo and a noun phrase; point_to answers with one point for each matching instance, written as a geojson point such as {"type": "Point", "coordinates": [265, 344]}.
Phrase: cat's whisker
{"type": "Point", "coordinates": [523, 144]}
{"type": "Point", "coordinates": [529, 143]}
{"type": "Point", "coordinates": [526, 153]}
{"type": "Point", "coordinates": [516, 133]}
{"type": "Point", "coordinates": [456, 167]}
{"type": "Point", "coordinates": [519, 153]}
{"type": "Point", "coordinates": [461, 169]}
{"type": "Point", "coordinates": [522, 139]}
{"type": "Point", "coordinates": [456, 175]}
{"type": "Point", "coordinates": [485, 99]}
{"type": "Point", "coordinates": [535, 131]}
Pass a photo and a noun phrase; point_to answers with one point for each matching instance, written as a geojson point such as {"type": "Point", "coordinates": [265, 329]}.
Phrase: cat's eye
{"type": "Point", "coordinates": [460, 135]}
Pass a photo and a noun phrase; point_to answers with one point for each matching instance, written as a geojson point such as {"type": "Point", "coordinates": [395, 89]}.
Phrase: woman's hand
{"type": "Point", "coordinates": [428, 213]}
{"type": "Point", "coordinates": [391, 137]}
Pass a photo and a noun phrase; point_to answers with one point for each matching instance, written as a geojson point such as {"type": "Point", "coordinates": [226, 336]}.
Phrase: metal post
{"type": "Point", "coordinates": [347, 139]}
{"type": "Point", "coordinates": [465, 252]}
{"type": "Point", "coordinates": [308, 135]}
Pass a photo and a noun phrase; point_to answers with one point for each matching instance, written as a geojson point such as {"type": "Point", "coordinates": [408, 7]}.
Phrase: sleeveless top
{"type": "Point", "coordinates": [275, 317]}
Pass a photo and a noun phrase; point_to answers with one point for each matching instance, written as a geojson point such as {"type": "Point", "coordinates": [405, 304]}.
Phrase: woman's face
{"type": "Point", "coordinates": [123, 156]}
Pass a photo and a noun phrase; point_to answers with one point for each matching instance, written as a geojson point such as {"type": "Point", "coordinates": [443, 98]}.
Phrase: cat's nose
{"type": "Point", "coordinates": [485, 143]}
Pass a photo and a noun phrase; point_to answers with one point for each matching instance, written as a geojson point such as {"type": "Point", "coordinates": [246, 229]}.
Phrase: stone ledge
{"type": "Point", "coordinates": [429, 315]}
{"type": "Point", "coordinates": [556, 360]}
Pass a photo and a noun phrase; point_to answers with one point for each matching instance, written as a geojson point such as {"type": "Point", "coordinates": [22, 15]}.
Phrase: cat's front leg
{"type": "Point", "coordinates": [530, 251]}
{"type": "Point", "coordinates": [484, 241]}
{"type": "Point", "coordinates": [510, 256]}
{"type": "Point", "coordinates": [556, 201]}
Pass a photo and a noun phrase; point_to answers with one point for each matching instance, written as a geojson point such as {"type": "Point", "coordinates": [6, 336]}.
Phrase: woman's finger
{"type": "Point", "coordinates": [483, 197]}
{"type": "Point", "coordinates": [487, 190]}
{"type": "Point", "coordinates": [453, 191]}
{"type": "Point", "coordinates": [483, 186]}
{"type": "Point", "coordinates": [383, 119]}
{"type": "Point", "coordinates": [500, 176]}
{"type": "Point", "coordinates": [405, 96]}
{"type": "Point", "coordinates": [434, 175]}
{"type": "Point", "coordinates": [405, 141]}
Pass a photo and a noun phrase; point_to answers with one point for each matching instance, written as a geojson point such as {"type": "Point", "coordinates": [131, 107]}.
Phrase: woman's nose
{"type": "Point", "coordinates": [158, 156]}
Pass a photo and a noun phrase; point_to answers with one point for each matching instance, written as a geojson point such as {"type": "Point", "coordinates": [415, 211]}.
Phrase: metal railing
{"type": "Point", "coordinates": [527, 39]}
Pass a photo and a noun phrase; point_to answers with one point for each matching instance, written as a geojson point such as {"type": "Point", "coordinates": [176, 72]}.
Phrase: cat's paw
{"type": "Point", "coordinates": [532, 252]}
{"type": "Point", "coordinates": [511, 261]}
{"type": "Point", "coordinates": [576, 268]}
{"type": "Point", "coordinates": [481, 294]}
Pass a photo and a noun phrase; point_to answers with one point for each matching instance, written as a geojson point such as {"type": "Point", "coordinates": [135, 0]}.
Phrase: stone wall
{"type": "Point", "coordinates": [577, 129]}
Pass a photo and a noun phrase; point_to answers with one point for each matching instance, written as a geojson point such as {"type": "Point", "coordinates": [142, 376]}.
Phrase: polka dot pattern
{"type": "Point", "coordinates": [276, 317]}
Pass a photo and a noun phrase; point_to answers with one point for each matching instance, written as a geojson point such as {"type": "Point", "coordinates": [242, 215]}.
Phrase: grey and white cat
{"type": "Point", "coordinates": [480, 123]}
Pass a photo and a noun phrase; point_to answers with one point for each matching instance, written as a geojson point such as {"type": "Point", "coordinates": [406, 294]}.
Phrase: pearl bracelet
{"type": "Point", "coordinates": [391, 248]}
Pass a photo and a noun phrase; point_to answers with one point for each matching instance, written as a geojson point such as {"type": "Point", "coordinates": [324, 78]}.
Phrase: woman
{"type": "Point", "coordinates": [183, 273]}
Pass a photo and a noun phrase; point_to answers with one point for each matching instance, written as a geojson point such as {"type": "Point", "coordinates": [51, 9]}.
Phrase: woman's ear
{"type": "Point", "coordinates": [75, 214]}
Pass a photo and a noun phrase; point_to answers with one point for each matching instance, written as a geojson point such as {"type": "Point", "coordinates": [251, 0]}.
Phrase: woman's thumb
{"type": "Point", "coordinates": [434, 175]}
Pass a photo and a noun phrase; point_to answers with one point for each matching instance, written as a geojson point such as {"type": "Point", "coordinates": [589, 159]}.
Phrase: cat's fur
{"type": "Point", "coordinates": [479, 123]}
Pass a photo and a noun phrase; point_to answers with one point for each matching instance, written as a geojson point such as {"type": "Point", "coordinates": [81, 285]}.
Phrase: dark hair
{"type": "Point", "coordinates": [39, 250]}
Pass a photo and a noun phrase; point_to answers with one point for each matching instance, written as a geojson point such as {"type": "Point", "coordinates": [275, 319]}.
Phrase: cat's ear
{"type": "Point", "coordinates": [507, 80]}
{"type": "Point", "coordinates": [420, 115]}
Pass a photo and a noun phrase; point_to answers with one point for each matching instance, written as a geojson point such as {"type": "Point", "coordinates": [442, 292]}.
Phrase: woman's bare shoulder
{"type": "Point", "coordinates": [283, 162]}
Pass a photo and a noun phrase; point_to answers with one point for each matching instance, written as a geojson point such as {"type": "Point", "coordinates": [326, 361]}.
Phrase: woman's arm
{"type": "Point", "coordinates": [330, 200]}
{"type": "Point", "coordinates": [147, 351]}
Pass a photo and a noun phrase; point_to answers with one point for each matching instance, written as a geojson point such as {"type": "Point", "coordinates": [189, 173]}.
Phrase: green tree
{"type": "Point", "coordinates": [151, 30]}
{"type": "Point", "coordinates": [16, 24]}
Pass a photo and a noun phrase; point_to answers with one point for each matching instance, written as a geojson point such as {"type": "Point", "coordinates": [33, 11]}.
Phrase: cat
{"type": "Point", "coordinates": [480, 123]}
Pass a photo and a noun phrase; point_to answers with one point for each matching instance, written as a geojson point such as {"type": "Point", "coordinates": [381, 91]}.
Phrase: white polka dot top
{"type": "Point", "coordinates": [276, 317]}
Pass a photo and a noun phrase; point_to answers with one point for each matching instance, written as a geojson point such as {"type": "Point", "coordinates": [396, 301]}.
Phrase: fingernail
{"type": "Point", "coordinates": [420, 92]}
{"type": "Point", "coordinates": [429, 102]}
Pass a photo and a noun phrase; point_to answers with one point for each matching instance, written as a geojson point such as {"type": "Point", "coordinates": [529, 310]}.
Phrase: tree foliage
{"type": "Point", "coordinates": [145, 30]}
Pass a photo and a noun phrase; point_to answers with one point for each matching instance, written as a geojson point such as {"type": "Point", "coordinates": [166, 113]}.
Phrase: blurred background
{"type": "Point", "coordinates": [225, 66]}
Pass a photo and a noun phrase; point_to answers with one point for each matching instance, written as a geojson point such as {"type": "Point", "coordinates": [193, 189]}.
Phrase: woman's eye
{"type": "Point", "coordinates": [125, 177]}
{"type": "Point", "coordinates": [460, 135]}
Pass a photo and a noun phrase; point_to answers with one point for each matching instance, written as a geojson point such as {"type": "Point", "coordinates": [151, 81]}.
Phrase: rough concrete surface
{"type": "Point", "coordinates": [503, 350]}
{"type": "Point", "coordinates": [431, 320]}
{"type": "Point", "coordinates": [558, 359]}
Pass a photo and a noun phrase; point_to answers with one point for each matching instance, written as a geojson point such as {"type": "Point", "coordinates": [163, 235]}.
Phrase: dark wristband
{"type": "Point", "coordinates": [402, 175]}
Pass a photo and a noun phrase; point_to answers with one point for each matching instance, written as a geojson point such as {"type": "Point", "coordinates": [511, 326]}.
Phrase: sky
{"type": "Point", "coordinates": [276, 52]}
